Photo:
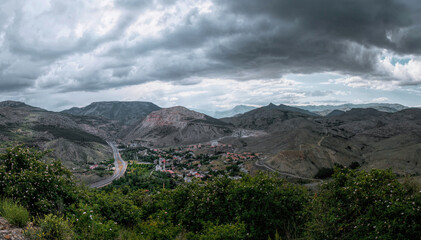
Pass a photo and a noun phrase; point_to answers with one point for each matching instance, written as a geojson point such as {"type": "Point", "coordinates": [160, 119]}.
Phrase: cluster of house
{"type": "Point", "coordinates": [235, 157]}
{"type": "Point", "coordinates": [212, 145]}
{"type": "Point", "coordinates": [183, 163]}
{"type": "Point", "coordinates": [166, 165]}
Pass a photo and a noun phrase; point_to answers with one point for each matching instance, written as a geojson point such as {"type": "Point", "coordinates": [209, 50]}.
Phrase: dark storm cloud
{"type": "Point", "coordinates": [305, 36]}
{"type": "Point", "coordinates": [362, 21]}
{"type": "Point", "coordinates": [242, 40]}
{"type": "Point", "coordinates": [19, 82]}
{"type": "Point", "coordinates": [265, 39]}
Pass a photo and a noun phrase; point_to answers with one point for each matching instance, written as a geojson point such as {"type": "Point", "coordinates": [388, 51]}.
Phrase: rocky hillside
{"type": "Point", "coordinates": [304, 145]}
{"type": "Point", "coordinates": [77, 141]}
{"type": "Point", "coordinates": [126, 113]}
{"type": "Point", "coordinates": [177, 126]}
{"type": "Point", "coordinates": [267, 117]}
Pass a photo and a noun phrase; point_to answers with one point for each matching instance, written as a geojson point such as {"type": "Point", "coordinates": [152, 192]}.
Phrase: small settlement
{"type": "Point", "coordinates": [192, 161]}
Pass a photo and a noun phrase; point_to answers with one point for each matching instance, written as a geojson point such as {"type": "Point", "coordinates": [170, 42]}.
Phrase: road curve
{"type": "Point", "coordinates": [120, 169]}
{"type": "Point", "coordinates": [262, 164]}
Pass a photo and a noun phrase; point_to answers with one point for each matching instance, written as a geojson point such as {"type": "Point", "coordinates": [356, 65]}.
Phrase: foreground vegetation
{"type": "Point", "coordinates": [352, 205]}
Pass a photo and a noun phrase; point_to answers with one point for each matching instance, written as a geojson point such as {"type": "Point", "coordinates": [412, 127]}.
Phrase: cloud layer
{"type": "Point", "coordinates": [89, 46]}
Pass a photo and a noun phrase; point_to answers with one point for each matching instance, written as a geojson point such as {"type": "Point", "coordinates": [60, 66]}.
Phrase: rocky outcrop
{"type": "Point", "coordinates": [9, 232]}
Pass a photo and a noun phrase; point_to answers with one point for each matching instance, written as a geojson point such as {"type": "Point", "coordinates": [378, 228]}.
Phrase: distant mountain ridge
{"type": "Point", "coordinates": [239, 109]}
{"type": "Point", "coordinates": [127, 113]}
{"type": "Point", "coordinates": [324, 110]}
{"type": "Point", "coordinates": [264, 117]}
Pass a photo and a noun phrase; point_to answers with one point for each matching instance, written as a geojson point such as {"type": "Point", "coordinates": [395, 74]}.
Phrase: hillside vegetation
{"type": "Point", "coordinates": [353, 205]}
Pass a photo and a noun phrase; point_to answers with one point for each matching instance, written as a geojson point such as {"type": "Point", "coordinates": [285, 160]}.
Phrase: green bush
{"type": "Point", "coordinates": [51, 227]}
{"type": "Point", "coordinates": [235, 231]}
{"type": "Point", "coordinates": [14, 213]}
{"type": "Point", "coordinates": [263, 203]}
{"type": "Point", "coordinates": [41, 187]}
{"type": "Point", "coordinates": [115, 206]}
{"type": "Point", "coordinates": [157, 229]}
{"type": "Point", "coordinates": [365, 205]}
{"type": "Point", "coordinates": [90, 225]}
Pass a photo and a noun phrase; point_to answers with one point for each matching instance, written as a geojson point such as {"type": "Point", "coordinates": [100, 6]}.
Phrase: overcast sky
{"type": "Point", "coordinates": [210, 54]}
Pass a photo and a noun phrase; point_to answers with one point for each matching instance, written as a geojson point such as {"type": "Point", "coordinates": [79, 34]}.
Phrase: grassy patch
{"type": "Point", "coordinates": [51, 227]}
{"type": "Point", "coordinates": [14, 213]}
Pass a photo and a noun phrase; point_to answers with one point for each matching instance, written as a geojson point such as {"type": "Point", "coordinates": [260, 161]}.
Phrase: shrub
{"type": "Point", "coordinates": [51, 227]}
{"type": "Point", "coordinates": [324, 173]}
{"type": "Point", "coordinates": [354, 165]}
{"type": "Point", "coordinates": [90, 225]}
{"type": "Point", "coordinates": [365, 205]}
{"type": "Point", "coordinates": [233, 231]}
{"type": "Point", "coordinates": [263, 203]}
{"type": "Point", "coordinates": [39, 186]}
{"type": "Point", "coordinates": [115, 206]}
{"type": "Point", "coordinates": [14, 213]}
{"type": "Point", "coordinates": [157, 229]}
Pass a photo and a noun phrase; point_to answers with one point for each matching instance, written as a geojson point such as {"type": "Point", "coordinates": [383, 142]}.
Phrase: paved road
{"type": "Point", "coordinates": [120, 169]}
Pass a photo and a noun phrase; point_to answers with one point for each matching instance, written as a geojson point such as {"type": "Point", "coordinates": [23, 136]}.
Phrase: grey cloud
{"type": "Point", "coordinates": [265, 39]}
{"type": "Point", "coordinates": [242, 40]}
{"type": "Point", "coordinates": [365, 22]}
{"type": "Point", "coordinates": [19, 82]}
{"type": "Point", "coordinates": [319, 93]}
{"type": "Point", "coordinates": [20, 43]}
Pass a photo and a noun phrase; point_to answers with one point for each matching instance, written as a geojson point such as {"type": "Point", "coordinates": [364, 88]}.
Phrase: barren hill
{"type": "Point", "coordinates": [303, 144]}
{"type": "Point", "coordinates": [127, 113]}
{"type": "Point", "coordinates": [177, 126]}
{"type": "Point", "coordinates": [77, 141]}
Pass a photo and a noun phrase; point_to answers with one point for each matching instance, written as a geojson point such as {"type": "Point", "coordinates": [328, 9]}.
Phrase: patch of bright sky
{"type": "Point", "coordinates": [402, 61]}
{"type": "Point", "coordinates": [221, 94]}
{"type": "Point", "coordinates": [342, 92]}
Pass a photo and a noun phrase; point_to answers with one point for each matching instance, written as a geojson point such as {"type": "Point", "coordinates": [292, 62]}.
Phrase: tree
{"type": "Point", "coordinates": [41, 187]}
{"type": "Point", "coordinates": [365, 205]}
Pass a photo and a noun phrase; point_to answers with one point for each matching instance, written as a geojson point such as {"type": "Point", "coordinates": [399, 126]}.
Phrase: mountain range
{"type": "Point", "coordinates": [77, 140]}
{"type": "Point", "coordinates": [292, 139]}
{"type": "Point", "coordinates": [322, 110]}
{"type": "Point", "coordinates": [303, 144]}
{"type": "Point", "coordinates": [326, 109]}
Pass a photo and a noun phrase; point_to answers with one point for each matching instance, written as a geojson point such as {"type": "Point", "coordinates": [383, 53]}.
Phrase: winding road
{"type": "Point", "coordinates": [120, 169]}
{"type": "Point", "coordinates": [262, 164]}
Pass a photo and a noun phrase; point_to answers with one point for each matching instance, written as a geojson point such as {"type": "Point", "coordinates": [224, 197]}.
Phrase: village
{"type": "Point", "coordinates": [199, 161]}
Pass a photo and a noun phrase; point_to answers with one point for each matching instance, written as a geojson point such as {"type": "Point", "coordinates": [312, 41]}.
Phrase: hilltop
{"type": "Point", "coordinates": [177, 126]}
{"type": "Point", "coordinates": [126, 113]}
{"type": "Point", "coordinates": [78, 141]}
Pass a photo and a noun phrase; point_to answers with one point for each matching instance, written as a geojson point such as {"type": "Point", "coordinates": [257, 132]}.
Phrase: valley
{"type": "Point", "coordinates": [284, 139]}
{"type": "Point", "coordinates": [175, 167]}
